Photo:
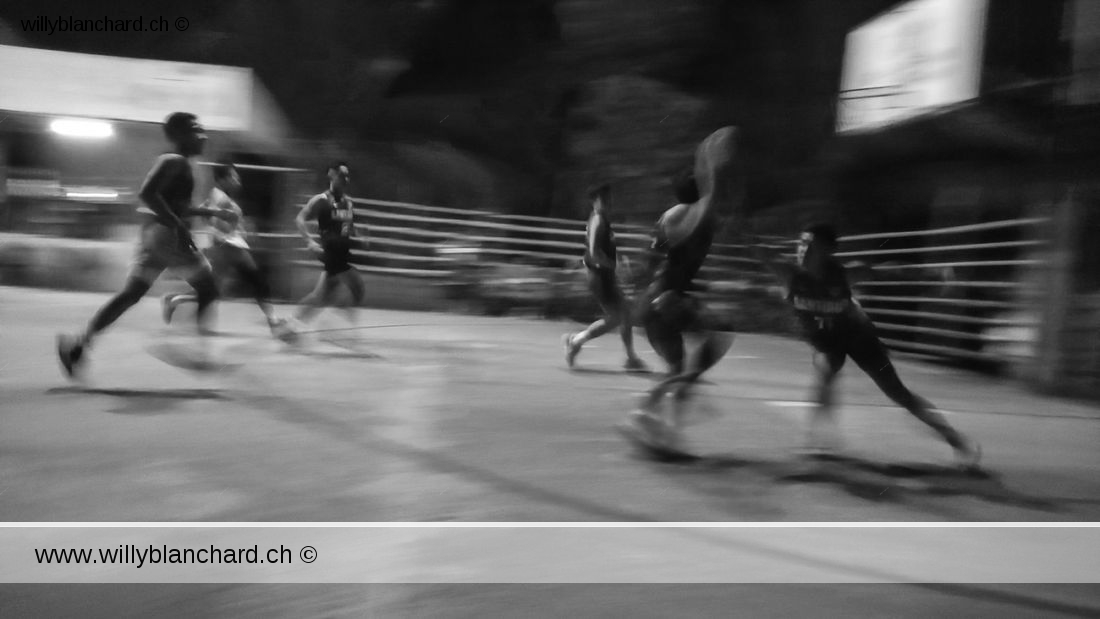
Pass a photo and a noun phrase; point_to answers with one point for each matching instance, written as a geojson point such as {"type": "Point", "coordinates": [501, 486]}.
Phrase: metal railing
{"type": "Point", "coordinates": [960, 292]}
{"type": "Point", "coordinates": [977, 305]}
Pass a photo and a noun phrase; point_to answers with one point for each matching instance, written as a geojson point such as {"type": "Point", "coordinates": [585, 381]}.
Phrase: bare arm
{"type": "Point", "coordinates": [858, 271]}
{"type": "Point", "coordinates": [218, 205]}
{"type": "Point", "coordinates": [307, 213]}
{"type": "Point", "coordinates": [165, 170]}
{"type": "Point", "coordinates": [595, 226]}
{"type": "Point", "coordinates": [206, 211]}
{"type": "Point", "coordinates": [771, 259]}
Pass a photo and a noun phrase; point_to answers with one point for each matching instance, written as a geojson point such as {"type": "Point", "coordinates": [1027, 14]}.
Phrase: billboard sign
{"type": "Point", "coordinates": [919, 57]}
{"type": "Point", "coordinates": [40, 81]}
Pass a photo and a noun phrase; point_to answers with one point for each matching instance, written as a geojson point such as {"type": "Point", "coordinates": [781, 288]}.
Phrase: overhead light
{"type": "Point", "coordinates": [78, 128]}
{"type": "Point", "coordinates": [92, 195]}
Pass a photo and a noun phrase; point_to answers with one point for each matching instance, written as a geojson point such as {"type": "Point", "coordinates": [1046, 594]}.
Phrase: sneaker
{"type": "Point", "coordinates": [571, 349]}
{"type": "Point", "coordinates": [634, 364]}
{"type": "Point", "coordinates": [651, 431]}
{"type": "Point", "coordinates": [652, 424]}
{"type": "Point", "coordinates": [640, 427]}
{"type": "Point", "coordinates": [277, 326]}
{"type": "Point", "coordinates": [167, 307]}
{"type": "Point", "coordinates": [286, 330]}
{"type": "Point", "coordinates": [969, 458]}
{"type": "Point", "coordinates": [70, 350]}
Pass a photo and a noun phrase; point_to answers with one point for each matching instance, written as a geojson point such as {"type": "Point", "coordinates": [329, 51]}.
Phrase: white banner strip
{"type": "Point", "coordinates": [578, 555]}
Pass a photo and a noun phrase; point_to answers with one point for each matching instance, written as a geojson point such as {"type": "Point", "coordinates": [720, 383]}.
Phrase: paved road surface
{"type": "Point", "coordinates": [433, 417]}
{"type": "Point", "coordinates": [426, 417]}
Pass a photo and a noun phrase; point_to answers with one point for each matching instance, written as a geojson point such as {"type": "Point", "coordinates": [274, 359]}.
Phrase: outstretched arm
{"type": "Point", "coordinates": [774, 262]}
{"type": "Point", "coordinates": [858, 271]}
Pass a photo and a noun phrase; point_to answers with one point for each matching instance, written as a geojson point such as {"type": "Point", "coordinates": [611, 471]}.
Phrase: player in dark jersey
{"type": "Point", "coordinates": [335, 217]}
{"type": "Point", "coordinates": [230, 253]}
{"type": "Point", "coordinates": [600, 262]}
{"type": "Point", "coordinates": [681, 242]}
{"type": "Point", "coordinates": [165, 238]}
{"type": "Point", "coordinates": [818, 289]}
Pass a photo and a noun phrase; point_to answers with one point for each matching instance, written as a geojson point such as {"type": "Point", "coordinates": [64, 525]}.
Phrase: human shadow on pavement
{"type": "Point", "coordinates": [336, 354]}
{"type": "Point", "coordinates": [612, 371]}
{"type": "Point", "coordinates": [143, 401]}
{"type": "Point", "coordinates": [871, 480]}
{"type": "Point", "coordinates": [876, 480]}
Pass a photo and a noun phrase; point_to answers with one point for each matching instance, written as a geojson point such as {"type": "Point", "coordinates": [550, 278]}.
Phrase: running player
{"type": "Point", "coordinates": [682, 240]}
{"type": "Point", "coordinates": [334, 214]}
{"type": "Point", "coordinates": [230, 253]}
{"type": "Point", "coordinates": [836, 327]}
{"type": "Point", "coordinates": [165, 240]}
{"type": "Point", "coordinates": [600, 262]}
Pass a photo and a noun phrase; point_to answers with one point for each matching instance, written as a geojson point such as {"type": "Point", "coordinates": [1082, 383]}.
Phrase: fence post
{"type": "Point", "coordinates": [1054, 287]}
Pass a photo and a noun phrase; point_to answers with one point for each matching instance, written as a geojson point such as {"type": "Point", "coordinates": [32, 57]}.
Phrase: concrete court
{"type": "Point", "coordinates": [438, 417]}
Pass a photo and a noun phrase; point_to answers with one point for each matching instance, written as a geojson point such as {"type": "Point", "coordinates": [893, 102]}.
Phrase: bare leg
{"type": "Point", "coordinates": [206, 292]}
{"type": "Point", "coordinates": [869, 353]}
{"type": "Point", "coordinates": [827, 367]}
{"type": "Point", "coordinates": [714, 346]}
{"type": "Point", "coordinates": [887, 379]}
{"type": "Point", "coordinates": [626, 332]}
{"type": "Point", "coordinates": [261, 291]}
{"type": "Point", "coordinates": [320, 296]}
{"type": "Point", "coordinates": [601, 327]}
{"type": "Point", "coordinates": [354, 282]}
{"type": "Point", "coordinates": [132, 292]}
{"type": "Point", "coordinates": [668, 341]}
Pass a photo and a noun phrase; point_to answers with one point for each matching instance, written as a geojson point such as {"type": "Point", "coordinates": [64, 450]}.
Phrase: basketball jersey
{"type": "Point", "coordinates": [820, 303]}
{"type": "Point", "coordinates": [681, 262]}
{"type": "Point", "coordinates": [604, 240]}
{"type": "Point", "coordinates": [224, 231]}
{"type": "Point", "coordinates": [335, 218]}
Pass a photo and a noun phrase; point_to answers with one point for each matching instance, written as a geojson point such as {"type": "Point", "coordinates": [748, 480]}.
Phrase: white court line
{"type": "Point", "coordinates": [551, 524]}
{"type": "Point", "coordinates": [807, 404]}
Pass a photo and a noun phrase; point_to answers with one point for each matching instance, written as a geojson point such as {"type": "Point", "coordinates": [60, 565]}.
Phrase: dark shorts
{"type": "Point", "coordinates": [159, 249]}
{"type": "Point", "coordinates": [675, 309]}
{"type": "Point", "coordinates": [849, 337]}
{"type": "Point", "coordinates": [605, 289]}
{"type": "Point", "coordinates": [336, 256]}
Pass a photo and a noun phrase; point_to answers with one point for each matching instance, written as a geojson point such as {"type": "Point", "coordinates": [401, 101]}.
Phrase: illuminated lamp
{"type": "Point", "coordinates": [79, 128]}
